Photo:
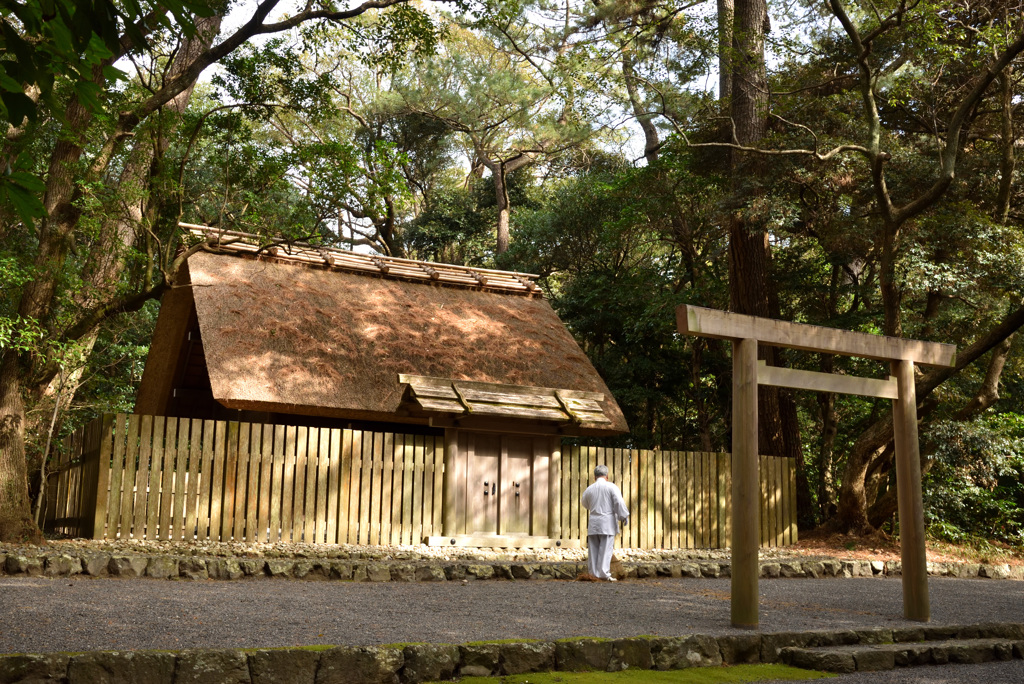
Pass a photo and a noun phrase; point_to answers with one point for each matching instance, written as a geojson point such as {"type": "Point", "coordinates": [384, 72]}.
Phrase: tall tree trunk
{"type": "Point", "coordinates": [726, 16]}
{"type": "Point", "coordinates": [643, 117]}
{"type": "Point", "coordinates": [499, 173]}
{"type": "Point", "coordinates": [16, 523]}
{"type": "Point", "coordinates": [1008, 160]}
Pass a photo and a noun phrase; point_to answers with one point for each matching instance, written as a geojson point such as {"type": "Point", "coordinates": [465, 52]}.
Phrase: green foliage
{"type": "Point", "coordinates": [975, 487]}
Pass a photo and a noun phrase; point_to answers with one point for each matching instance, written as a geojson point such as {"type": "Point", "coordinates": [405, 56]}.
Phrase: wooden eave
{"type": "Point", "coordinates": [447, 397]}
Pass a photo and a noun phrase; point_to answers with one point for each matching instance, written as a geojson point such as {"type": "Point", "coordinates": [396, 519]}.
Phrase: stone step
{"type": "Point", "coordinates": [875, 657]}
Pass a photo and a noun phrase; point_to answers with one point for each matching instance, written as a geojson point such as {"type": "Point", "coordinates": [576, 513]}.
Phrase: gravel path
{"type": "Point", "coordinates": [80, 614]}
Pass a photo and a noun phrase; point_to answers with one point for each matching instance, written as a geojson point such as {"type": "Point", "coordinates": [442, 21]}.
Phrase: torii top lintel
{"type": "Point", "coordinates": [696, 320]}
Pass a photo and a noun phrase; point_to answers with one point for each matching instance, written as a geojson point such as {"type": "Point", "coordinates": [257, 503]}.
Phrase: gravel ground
{"type": "Point", "coordinates": [77, 614]}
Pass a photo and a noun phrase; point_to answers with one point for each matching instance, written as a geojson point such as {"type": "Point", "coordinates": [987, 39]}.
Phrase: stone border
{"type": "Point", "coordinates": [416, 663]}
{"type": "Point", "coordinates": [101, 564]}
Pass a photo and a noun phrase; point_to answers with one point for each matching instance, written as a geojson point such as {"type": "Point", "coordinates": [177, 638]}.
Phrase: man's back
{"type": "Point", "coordinates": [604, 501]}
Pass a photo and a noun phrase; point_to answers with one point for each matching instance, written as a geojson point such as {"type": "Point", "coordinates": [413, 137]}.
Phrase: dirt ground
{"type": "Point", "coordinates": [883, 547]}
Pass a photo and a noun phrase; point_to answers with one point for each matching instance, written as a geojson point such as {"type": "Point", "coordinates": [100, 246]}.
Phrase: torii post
{"type": "Point", "coordinates": [745, 333]}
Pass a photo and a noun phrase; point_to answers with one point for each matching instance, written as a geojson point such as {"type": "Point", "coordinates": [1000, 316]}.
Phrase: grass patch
{"type": "Point", "coordinates": [695, 675]}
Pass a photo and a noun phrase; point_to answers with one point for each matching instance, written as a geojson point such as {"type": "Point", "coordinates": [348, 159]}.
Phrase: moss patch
{"type": "Point", "coordinates": [696, 675]}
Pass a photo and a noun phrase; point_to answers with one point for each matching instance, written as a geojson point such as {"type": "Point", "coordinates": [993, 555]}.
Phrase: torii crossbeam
{"type": "Point", "coordinates": [746, 332]}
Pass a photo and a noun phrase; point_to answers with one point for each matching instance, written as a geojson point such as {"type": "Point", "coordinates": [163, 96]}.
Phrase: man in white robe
{"type": "Point", "coordinates": [607, 509]}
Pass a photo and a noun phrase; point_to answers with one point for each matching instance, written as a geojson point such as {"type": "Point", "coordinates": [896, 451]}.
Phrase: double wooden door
{"type": "Point", "coordinates": [499, 487]}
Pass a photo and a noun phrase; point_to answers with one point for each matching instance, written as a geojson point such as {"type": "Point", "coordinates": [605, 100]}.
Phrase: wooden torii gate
{"type": "Point", "coordinates": [746, 332]}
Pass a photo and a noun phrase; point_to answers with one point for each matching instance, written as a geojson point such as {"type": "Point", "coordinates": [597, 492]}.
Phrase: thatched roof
{"type": "Point", "coordinates": [284, 335]}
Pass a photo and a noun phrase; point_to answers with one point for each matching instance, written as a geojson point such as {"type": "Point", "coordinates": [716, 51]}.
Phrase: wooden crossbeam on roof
{"type": "Point", "coordinates": [443, 395]}
{"type": "Point", "coordinates": [508, 282]}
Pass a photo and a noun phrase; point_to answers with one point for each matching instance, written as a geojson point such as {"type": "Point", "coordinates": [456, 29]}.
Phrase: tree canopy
{"type": "Point", "coordinates": [851, 164]}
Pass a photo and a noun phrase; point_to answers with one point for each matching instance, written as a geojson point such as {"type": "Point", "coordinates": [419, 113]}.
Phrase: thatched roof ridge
{"type": "Point", "coordinates": [280, 335]}
{"type": "Point", "coordinates": [510, 282]}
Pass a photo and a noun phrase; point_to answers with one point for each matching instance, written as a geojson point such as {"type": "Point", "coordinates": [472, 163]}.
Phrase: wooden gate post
{"type": "Point", "coordinates": [555, 489]}
{"type": "Point", "coordinates": [908, 490]}
{"type": "Point", "coordinates": [746, 504]}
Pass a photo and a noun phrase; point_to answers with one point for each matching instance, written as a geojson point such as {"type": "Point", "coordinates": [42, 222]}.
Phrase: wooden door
{"type": "Point", "coordinates": [516, 485]}
{"type": "Point", "coordinates": [483, 488]}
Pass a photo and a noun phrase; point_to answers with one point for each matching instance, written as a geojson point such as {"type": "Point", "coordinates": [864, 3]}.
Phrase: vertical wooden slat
{"type": "Point", "coordinates": [565, 507]}
{"type": "Point", "coordinates": [688, 508]}
{"type": "Point", "coordinates": [195, 434]}
{"type": "Point", "coordinates": [398, 487]}
{"type": "Point", "coordinates": [376, 486]}
{"type": "Point", "coordinates": [205, 482]}
{"type": "Point", "coordinates": [428, 488]}
{"type": "Point", "coordinates": [217, 478]}
{"type": "Point", "coordinates": [180, 476]}
{"type": "Point", "coordinates": [287, 482]}
{"type": "Point", "coordinates": [242, 480]}
{"type": "Point", "coordinates": [117, 477]}
{"type": "Point", "coordinates": [657, 500]}
{"type": "Point", "coordinates": [104, 466]}
{"type": "Point", "coordinates": [166, 485]}
{"type": "Point", "coordinates": [672, 483]}
{"type": "Point", "coordinates": [408, 475]}
{"type": "Point", "coordinates": [308, 447]}
{"type": "Point", "coordinates": [142, 477]}
{"type": "Point", "coordinates": [359, 478]}
{"type": "Point", "coordinates": [779, 503]}
{"type": "Point", "coordinates": [253, 443]}
{"type": "Point", "coordinates": [793, 534]}
{"type": "Point", "coordinates": [266, 481]}
{"type": "Point", "coordinates": [634, 474]}
{"type": "Point", "coordinates": [712, 485]}
{"type": "Point", "coordinates": [349, 515]}
{"type": "Point", "coordinates": [229, 452]}
{"type": "Point", "coordinates": [763, 498]}
{"type": "Point", "coordinates": [365, 485]}
{"type": "Point", "coordinates": [277, 483]}
{"type": "Point", "coordinates": [298, 458]}
{"type": "Point", "coordinates": [323, 459]}
{"type": "Point", "coordinates": [438, 514]}
{"type": "Point", "coordinates": [335, 488]}
{"type": "Point", "coordinates": [417, 492]}
{"type": "Point", "coordinates": [574, 492]}
{"type": "Point", "coordinates": [387, 476]}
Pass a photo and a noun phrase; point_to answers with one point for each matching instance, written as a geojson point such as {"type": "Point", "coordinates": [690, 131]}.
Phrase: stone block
{"type": "Point", "coordinates": [503, 571]}
{"type": "Point", "coordinates": [45, 667]}
{"type": "Point", "coordinates": [689, 570]}
{"type": "Point", "coordinates": [522, 570]}
{"type": "Point", "coordinates": [913, 655]}
{"type": "Point", "coordinates": [1002, 650]}
{"type": "Point", "coordinates": [480, 571]}
{"type": "Point", "coordinates": [674, 653]}
{"type": "Point", "coordinates": [302, 569]}
{"type": "Point", "coordinates": [893, 568]}
{"type": "Point", "coordinates": [429, 662]}
{"type": "Point", "coordinates": [128, 566]}
{"type": "Point", "coordinates": [792, 569]}
{"type": "Point", "coordinates": [24, 565]}
{"type": "Point", "coordinates": [280, 568]}
{"type": "Point", "coordinates": [564, 571]}
{"type": "Point", "coordinates": [1017, 572]}
{"type": "Point", "coordinates": [96, 564]}
{"type": "Point", "coordinates": [403, 573]}
{"type": "Point", "coordinates": [338, 571]}
{"type": "Point", "coordinates": [253, 567]}
{"type": "Point", "coordinates": [455, 571]}
{"type": "Point", "coordinates": [837, 661]}
{"type": "Point", "coordinates": [582, 655]}
{"type": "Point", "coordinates": [772, 644]}
{"type": "Point", "coordinates": [877, 567]}
{"type": "Point", "coordinates": [646, 570]}
{"type": "Point", "coordinates": [874, 660]}
{"type": "Point", "coordinates": [360, 573]}
{"type": "Point", "coordinates": [538, 656]}
{"type": "Point", "coordinates": [940, 655]}
{"type": "Point", "coordinates": [162, 567]}
{"type": "Point", "coordinates": [879, 635]}
{"type": "Point", "coordinates": [833, 568]}
{"type": "Point", "coordinates": [814, 569]}
{"type": "Point", "coordinates": [212, 666]}
{"type": "Point", "coordinates": [740, 649]}
{"type": "Point", "coordinates": [629, 653]}
{"type": "Point", "coordinates": [711, 570]}
{"type": "Point", "coordinates": [998, 571]}
{"type": "Point", "coordinates": [193, 569]}
{"type": "Point", "coordinates": [103, 667]}
{"type": "Point", "coordinates": [377, 572]}
{"type": "Point", "coordinates": [965, 570]}
{"type": "Point", "coordinates": [841, 637]}
{"type": "Point", "coordinates": [62, 566]}
{"type": "Point", "coordinates": [283, 666]}
{"type": "Point", "coordinates": [971, 653]}
{"type": "Point", "coordinates": [430, 573]}
{"type": "Point", "coordinates": [224, 569]}
{"type": "Point", "coordinates": [479, 660]}
{"type": "Point", "coordinates": [360, 665]}
{"type": "Point", "coordinates": [770, 570]}
{"type": "Point", "coordinates": [907, 634]}
{"type": "Point", "coordinates": [938, 633]}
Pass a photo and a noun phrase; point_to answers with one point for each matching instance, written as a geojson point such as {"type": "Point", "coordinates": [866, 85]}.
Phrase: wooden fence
{"type": "Point", "coordinates": [145, 477]}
